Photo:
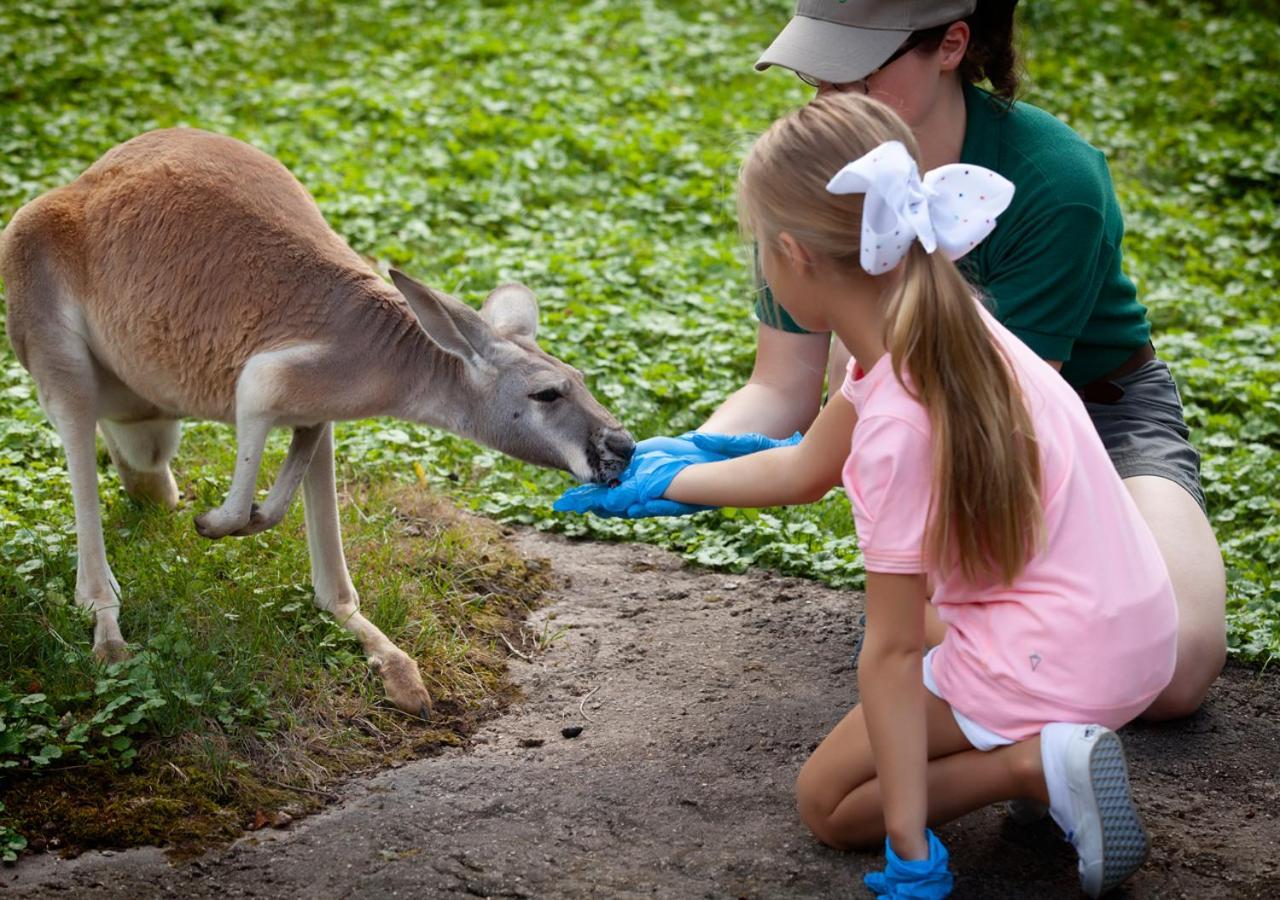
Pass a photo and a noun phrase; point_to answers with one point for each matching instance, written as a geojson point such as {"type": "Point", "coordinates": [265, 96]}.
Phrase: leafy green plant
{"type": "Point", "coordinates": [35, 731]}
{"type": "Point", "coordinates": [11, 843]}
{"type": "Point", "coordinates": [468, 152]}
{"type": "Point", "coordinates": [589, 150]}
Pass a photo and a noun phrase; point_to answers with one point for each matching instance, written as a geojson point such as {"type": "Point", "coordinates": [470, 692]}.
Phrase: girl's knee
{"type": "Point", "coordinates": [811, 802]}
{"type": "Point", "coordinates": [820, 825]}
{"type": "Point", "coordinates": [841, 837]}
{"type": "Point", "coordinates": [816, 804]}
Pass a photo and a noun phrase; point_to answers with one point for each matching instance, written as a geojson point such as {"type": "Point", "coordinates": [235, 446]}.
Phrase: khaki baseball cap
{"type": "Point", "coordinates": [845, 40]}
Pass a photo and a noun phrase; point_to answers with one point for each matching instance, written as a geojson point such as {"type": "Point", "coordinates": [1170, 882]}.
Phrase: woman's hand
{"type": "Point", "coordinates": [731, 446]}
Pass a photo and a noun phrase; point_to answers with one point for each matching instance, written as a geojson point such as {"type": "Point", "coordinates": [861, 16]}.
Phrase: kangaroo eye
{"type": "Point", "coordinates": [550, 395]}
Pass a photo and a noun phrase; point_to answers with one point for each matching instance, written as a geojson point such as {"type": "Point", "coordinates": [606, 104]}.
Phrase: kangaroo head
{"type": "Point", "coordinates": [528, 404]}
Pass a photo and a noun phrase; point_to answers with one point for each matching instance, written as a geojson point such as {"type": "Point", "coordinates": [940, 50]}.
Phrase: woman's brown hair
{"type": "Point", "coordinates": [985, 511]}
{"type": "Point", "coordinates": [991, 54]}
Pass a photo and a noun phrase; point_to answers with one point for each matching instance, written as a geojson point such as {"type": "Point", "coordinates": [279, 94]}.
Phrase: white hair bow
{"type": "Point", "coordinates": [954, 207]}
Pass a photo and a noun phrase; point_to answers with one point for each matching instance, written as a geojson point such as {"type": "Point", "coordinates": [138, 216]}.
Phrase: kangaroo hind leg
{"type": "Point", "coordinates": [42, 325]}
{"type": "Point", "coordinates": [67, 384]}
{"type": "Point", "coordinates": [337, 595]}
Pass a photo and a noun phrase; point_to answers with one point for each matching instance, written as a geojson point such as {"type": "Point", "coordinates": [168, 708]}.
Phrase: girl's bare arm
{"type": "Point", "coordinates": [893, 700]}
{"type": "Point", "coordinates": [784, 476]}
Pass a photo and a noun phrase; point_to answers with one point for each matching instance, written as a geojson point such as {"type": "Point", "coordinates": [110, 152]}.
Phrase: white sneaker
{"type": "Point", "coordinates": [1107, 835]}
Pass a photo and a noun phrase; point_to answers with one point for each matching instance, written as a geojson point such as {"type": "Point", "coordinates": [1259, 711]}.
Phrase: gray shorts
{"type": "Point", "coordinates": [1144, 431]}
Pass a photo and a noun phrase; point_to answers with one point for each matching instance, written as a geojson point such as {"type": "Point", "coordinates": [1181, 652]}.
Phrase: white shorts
{"type": "Point", "coordinates": [980, 736]}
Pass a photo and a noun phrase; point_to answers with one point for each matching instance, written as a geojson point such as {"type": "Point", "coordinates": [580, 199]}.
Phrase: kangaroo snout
{"type": "Point", "coordinates": [615, 450]}
{"type": "Point", "coordinates": [620, 444]}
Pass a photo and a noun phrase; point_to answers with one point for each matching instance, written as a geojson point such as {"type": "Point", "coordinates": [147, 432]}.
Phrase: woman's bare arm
{"type": "Point", "coordinates": [784, 391]}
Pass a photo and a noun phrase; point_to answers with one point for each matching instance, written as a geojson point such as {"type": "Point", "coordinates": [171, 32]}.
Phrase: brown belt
{"type": "Point", "coordinates": [1105, 389]}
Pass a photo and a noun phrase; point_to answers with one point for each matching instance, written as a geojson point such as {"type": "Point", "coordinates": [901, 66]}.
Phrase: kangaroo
{"type": "Point", "coordinates": [188, 274]}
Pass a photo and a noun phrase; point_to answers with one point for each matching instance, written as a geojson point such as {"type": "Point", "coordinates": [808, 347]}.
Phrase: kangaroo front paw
{"type": "Point", "coordinates": [218, 523]}
{"type": "Point", "coordinates": [258, 521]}
{"type": "Point", "coordinates": [404, 685]}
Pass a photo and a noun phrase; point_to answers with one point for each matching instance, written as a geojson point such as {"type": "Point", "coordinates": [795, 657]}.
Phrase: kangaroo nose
{"type": "Point", "coordinates": [620, 444]}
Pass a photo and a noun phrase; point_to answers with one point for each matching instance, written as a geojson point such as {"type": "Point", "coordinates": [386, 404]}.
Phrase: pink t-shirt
{"type": "Point", "coordinates": [1087, 632]}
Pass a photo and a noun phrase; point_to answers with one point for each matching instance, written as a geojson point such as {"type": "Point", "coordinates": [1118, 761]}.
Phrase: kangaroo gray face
{"type": "Point", "coordinates": [552, 419]}
{"type": "Point", "coordinates": [528, 404]}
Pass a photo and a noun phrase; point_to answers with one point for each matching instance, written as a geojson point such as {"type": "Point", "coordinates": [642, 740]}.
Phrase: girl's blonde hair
{"type": "Point", "coordinates": [985, 511]}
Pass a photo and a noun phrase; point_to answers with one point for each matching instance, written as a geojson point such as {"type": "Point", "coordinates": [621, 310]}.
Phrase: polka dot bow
{"type": "Point", "coordinates": [953, 208]}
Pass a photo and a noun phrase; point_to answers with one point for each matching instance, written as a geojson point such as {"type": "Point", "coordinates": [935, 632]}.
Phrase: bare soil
{"type": "Point", "coordinates": [699, 695]}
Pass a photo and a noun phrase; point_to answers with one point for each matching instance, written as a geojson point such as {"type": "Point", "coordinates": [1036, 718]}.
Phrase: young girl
{"type": "Point", "coordinates": [978, 484]}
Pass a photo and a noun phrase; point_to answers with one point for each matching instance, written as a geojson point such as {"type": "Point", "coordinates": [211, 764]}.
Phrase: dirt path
{"type": "Point", "coordinates": [700, 694]}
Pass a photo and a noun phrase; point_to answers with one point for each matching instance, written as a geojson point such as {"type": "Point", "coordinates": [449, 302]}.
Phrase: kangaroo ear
{"type": "Point", "coordinates": [454, 326]}
{"type": "Point", "coordinates": [512, 310]}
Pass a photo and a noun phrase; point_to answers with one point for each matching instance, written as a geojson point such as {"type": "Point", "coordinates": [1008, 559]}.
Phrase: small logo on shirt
{"type": "Point", "coordinates": [1035, 661]}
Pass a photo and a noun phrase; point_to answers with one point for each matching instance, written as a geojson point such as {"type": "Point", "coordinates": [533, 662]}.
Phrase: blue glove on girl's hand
{"type": "Point", "coordinates": [693, 447]}
{"type": "Point", "coordinates": [640, 489]}
{"type": "Point", "coordinates": [917, 879]}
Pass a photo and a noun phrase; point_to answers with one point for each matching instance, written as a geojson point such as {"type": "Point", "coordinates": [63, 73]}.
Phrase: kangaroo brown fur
{"type": "Point", "coordinates": [187, 274]}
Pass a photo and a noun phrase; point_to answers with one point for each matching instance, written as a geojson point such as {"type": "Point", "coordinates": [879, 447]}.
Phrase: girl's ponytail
{"type": "Point", "coordinates": [986, 513]}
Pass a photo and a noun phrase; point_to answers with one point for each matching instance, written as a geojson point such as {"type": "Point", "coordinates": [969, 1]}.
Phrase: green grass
{"type": "Point", "coordinates": [240, 695]}
{"type": "Point", "coordinates": [589, 150]}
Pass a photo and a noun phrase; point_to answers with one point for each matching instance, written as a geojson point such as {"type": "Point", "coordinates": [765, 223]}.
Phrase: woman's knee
{"type": "Point", "coordinates": [1202, 652]}
{"type": "Point", "coordinates": [1201, 656]}
{"type": "Point", "coordinates": [1177, 701]}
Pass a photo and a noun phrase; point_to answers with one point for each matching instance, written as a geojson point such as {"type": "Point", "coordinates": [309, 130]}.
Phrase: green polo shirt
{"type": "Point", "coordinates": [1052, 265]}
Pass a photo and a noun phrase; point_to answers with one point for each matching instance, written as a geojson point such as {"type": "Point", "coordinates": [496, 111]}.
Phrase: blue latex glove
{"type": "Point", "coordinates": [732, 445]}
{"type": "Point", "coordinates": [639, 491]}
{"type": "Point", "coordinates": [917, 879]}
{"type": "Point", "coordinates": [693, 446]}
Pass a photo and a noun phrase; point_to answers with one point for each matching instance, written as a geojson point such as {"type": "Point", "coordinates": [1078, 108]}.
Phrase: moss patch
{"type": "Point", "coordinates": [443, 585]}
